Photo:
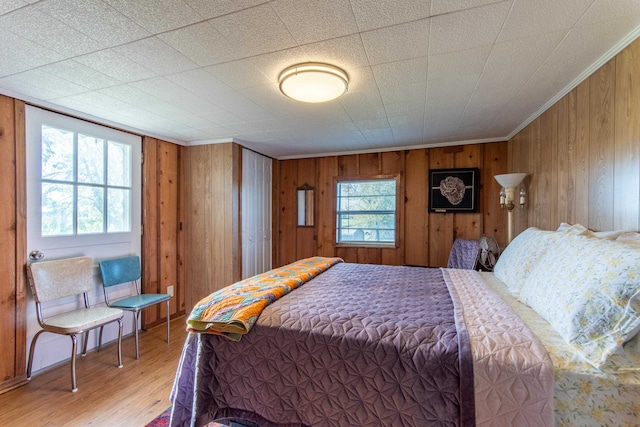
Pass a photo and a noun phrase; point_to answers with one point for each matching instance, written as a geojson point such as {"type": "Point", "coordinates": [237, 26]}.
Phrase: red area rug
{"type": "Point", "coordinates": [163, 419]}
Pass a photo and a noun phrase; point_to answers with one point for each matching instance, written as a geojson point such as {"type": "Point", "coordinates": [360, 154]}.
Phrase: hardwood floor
{"type": "Point", "coordinates": [106, 396]}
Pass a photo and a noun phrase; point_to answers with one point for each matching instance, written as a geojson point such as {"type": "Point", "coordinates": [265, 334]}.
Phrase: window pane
{"type": "Point", "coordinates": [90, 210]}
{"type": "Point", "coordinates": [118, 208]}
{"type": "Point", "coordinates": [57, 154]}
{"type": "Point", "coordinates": [57, 209]}
{"type": "Point", "coordinates": [366, 211]}
{"type": "Point", "coordinates": [119, 160]}
{"type": "Point", "coordinates": [90, 159]}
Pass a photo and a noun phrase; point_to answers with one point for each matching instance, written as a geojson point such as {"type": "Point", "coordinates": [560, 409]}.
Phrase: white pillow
{"type": "Point", "coordinates": [629, 236]}
{"type": "Point", "coordinates": [611, 235]}
{"type": "Point", "coordinates": [521, 255]}
{"type": "Point", "coordinates": [588, 289]}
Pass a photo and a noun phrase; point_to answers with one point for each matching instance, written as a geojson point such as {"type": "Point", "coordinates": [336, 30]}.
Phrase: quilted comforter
{"type": "Point", "coordinates": [372, 345]}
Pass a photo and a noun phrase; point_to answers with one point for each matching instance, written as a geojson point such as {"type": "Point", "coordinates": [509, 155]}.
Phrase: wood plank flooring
{"type": "Point", "coordinates": [106, 396]}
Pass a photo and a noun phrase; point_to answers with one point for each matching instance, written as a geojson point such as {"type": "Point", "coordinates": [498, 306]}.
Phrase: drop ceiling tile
{"type": "Point", "coordinates": [609, 10]}
{"type": "Point", "coordinates": [9, 5]}
{"type": "Point", "coordinates": [361, 79]}
{"type": "Point", "coordinates": [310, 21]}
{"type": "Point", "coordinates": [510, 65]}
{"type": "Point", "coordinates": [212, 9]}
{"type": "Point", "coordinates": [273, 63]}
{"type": "Point", "coordinates": [440, 7]}
{"type": "Point", "coordinates": [219, 116]}
{"type": "Point", "coordinates": [404, 108]}
{"type": "Point", "coordinates": [415, 121]}
{"type": "Point", "coordinates": [450, 94]}
{"type": "Point", "coordinates": [96, 20]}
{"type": "Point", "coordinates": [130, 95]}
{"type": "Point", "coordinates": [190, 134]}
{"type": "Point", "coordinates": [403, 41]}
{"type": "Point", "coordinates": [269, 97]}
{"type": "Point", "coordinates": [359, 99]}
{"type": "Point", "coordinates": [467, 29]}
{"type": "Point", "coordinates": [402, 72]}
{"type": "Point", "coordinates": [46, 31]}
{"type": "Point", "coordinates": [169, 109]}
{"type": "Point", "coordinates": [157, 16]}
{"type": "Point", "coordinates": [374, 14]}
{"type": "Point", "coordinates": [73, 71]}
{"type": "Point", "coordinates": [30, 84]}
{"type": "Point", "coordinates": [239, 31]}
{"type": "Point", "coordinates": [156, 55]}
{"type": "Point", "coordinates": [459, 63]}
{"type": "Point", "coordinates": [346, 52]}
{"type": "Point", "coordinates": [240, 74]}
{"type": "Point", "coordinates": [19, 54]}
{"type": "Point", "coordinates": [529, 18]}
{"type": "Point", "coordinates": [372, 123]}
{"type": "Point", "coordinates": [160, 88]}
{"type": "Point", "coordinates": [201, 43]}
{"type": "Point", "coordinates": [367, 112]}
{"type": "Point", "coordinates": [378, 137]}
{"type": "Point", "coordinates": [56, 86]}
{"type": "Point", "coordinates": [115, 65]}
{"type": "Point", "coordinates": [413, 92]}
{"type": "Point", "coordinates": [93, 101]}
{"type": "Point", "coordinates": [405, 136]}
{"type": "Point", "coordinates": [201, 83]}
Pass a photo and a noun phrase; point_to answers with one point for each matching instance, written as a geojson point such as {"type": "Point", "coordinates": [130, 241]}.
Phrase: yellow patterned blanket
{"type": "Point", "coordinates": [233, 310]}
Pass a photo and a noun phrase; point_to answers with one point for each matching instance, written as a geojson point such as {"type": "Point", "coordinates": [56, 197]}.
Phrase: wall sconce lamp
{"type": "Point", "coordinates": [509, 182]}
{"type": "Point", "coordinates": [306, 198]}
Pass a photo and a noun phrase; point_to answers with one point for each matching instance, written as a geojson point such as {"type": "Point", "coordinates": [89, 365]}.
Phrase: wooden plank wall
{"type": "Point", "coordinates": [212, 218]}
{"type": "Point", "coordinates": [163, 241]}
{"type": "Point", "coordinates": [423, 239]}
{"type": "Point", "coordinates": [582, 155]}
{"type": "Point", "coordinates": [12, 244]}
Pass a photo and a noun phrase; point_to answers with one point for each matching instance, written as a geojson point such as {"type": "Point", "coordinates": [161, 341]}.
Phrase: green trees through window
{"type": "Point", "coordinates": [366, 211]}
{"type": "Point", "coordinates": [85, 183]}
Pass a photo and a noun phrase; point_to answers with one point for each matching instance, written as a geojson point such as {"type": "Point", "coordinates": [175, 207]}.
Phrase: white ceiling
{"type": "Point", "coordinates": [422, 73]}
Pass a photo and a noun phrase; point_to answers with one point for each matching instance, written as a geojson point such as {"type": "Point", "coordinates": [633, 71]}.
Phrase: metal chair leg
{"type": "Point", "coordinates": [31, 351]}
{"type": "Point", "coordinates": [85, 341]}
{"type": "Point", "coordinates": [74, 345]}
{"type": "Point", "coordinates": [120, 343]}
{"type": "Point", "coordinates": [100, 338]}
{"type": "Point", "coordinates": [136, 318]}
{"type": "Point", "coordinates": [168, 323]}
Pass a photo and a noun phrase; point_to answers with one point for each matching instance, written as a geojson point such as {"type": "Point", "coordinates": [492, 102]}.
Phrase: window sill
{"type": "Point", "coordinates": [367, 245]}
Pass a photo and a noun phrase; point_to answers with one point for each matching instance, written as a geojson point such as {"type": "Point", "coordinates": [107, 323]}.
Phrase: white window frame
{"type": "Point", "coordinates": [395, 212]}
{"type": "Point", "coordinates": [35, 119]}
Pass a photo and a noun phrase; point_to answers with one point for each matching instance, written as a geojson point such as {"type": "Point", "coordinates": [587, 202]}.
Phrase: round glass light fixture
{"type": "Point", "coordinates": [313, 82]}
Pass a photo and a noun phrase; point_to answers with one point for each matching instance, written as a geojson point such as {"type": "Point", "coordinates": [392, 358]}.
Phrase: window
{"type": "Point", "coordinates": [85, 183]}
{"type": "Point", "coordinates": [366, 211]}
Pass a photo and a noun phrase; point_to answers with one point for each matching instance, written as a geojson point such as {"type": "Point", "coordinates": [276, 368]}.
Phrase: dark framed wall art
{"type": "Point", "coordinates": [453, 190]}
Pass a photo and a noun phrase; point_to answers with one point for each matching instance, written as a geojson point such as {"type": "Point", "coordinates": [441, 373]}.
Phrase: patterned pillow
{"type": "Point", "coordinates": [521, 255]}
{"type": "Point", "coordinates": [588, 289]}
{"type": "Point", "coordinates": [611, 235]}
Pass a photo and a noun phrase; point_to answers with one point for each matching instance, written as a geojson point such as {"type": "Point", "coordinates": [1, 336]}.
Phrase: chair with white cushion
{"type": "Point", "coordinates": [53, 280]}
{"type": "Point", "coordinates": [127, 270]}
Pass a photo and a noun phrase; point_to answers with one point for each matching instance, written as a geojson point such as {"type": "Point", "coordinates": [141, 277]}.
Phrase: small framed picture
{"type": "Point", "coordinates": [453, 190]}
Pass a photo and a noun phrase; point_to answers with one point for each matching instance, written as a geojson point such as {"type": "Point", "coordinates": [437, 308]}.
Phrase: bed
{"type": "Point", "coordinates": [397, 345]}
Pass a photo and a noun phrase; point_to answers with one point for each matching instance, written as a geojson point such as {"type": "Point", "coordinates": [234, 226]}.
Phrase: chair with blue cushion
{"type": "Point", "coordinates": [127, 270]}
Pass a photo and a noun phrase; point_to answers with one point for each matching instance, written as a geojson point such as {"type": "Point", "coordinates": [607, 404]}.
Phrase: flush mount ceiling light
{"type": "Point", "coordinates": [313, 82]}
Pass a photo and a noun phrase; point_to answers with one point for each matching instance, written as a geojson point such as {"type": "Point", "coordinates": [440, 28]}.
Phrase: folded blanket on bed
{"type": "Point", "coordinates": [233, 310]}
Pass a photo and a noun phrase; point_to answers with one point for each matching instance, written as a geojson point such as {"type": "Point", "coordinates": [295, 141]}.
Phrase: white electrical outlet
{"type": "Point", "coordinates": [170, 290]}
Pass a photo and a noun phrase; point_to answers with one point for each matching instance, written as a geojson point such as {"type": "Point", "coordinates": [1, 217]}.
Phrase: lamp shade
{"type": "Point", "coordinates": [313, 82]}
{"type": "Point", "coordinates": [510, 180]}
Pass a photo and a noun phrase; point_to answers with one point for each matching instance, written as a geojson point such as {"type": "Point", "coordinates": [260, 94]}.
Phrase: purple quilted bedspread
{"type": "Point", "coordinates": [359, 345]}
